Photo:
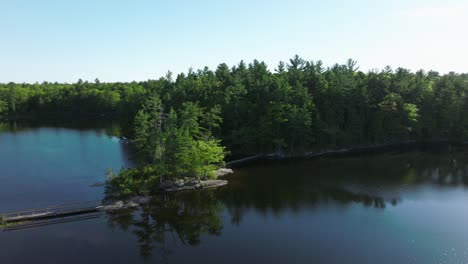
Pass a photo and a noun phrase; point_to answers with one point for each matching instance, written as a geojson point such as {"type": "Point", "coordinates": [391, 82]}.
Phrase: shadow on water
{"type": "Point", "coordinates": [182, 218]}
{"type": "Point", "coordinates": [108, 127]}
{"type": "Point", "coordinates": [343, 204]}
{"type": "Point", "coordinates": [278, 188]}
{"type": "Point", "coordinates": [369, 180]}
{"type": "Point", "coordinates": [171, 219]}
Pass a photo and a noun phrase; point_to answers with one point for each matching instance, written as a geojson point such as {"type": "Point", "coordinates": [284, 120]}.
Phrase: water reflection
{"type": "Point", "coordinates": [371, 181]}
{"type": "Point", "coordinates": [185, 217]}
{"type": "Point", "coordinates": [179, 218]}
{"type": "Point", "coordinates": [285, 187]}
{"type": "Point", "coordinates": [107, 127]}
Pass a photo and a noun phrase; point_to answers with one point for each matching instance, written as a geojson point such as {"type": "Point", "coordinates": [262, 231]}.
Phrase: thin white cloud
{"type": "Point", "coordinates": [438, 13]}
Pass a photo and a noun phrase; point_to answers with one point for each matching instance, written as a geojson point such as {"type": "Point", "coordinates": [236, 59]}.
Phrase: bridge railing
{"type": "Point", "coordinates": [51, 209]}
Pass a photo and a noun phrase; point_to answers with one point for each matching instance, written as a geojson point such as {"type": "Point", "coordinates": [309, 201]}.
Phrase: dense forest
{"type": "Point", "coordinates": [299, 106]}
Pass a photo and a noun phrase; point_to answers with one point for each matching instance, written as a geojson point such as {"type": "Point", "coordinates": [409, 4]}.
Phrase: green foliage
{"type": "Point", "coordinates": [148, 130]}
{"type": "Point", "coordinates": [172, 146]}
{"type": "Point", "coordinates": [411, 112]}
{"type": "Point", "coordinates": [205, 157]}
{"type": "Point", "coordinates": [299, 106]}
{"type": "Point", "coordinates": [129, 182]}
{"type": "Point", "coordinates": [180, 122]}
{"type": "Point", "coordinates": [82, 99]}
{"type": "Point", "coordinates": [3, 107]}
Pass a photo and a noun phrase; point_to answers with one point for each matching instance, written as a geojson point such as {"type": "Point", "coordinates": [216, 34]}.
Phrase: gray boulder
{"type": "Point", "coordinates": [179, 182]}
{"type": "Point", "coordinates": [223, 172]}
{"type": "Point", "coordinates": [213, 183]}
{"type": "Point", "coordinates": [113, 207]}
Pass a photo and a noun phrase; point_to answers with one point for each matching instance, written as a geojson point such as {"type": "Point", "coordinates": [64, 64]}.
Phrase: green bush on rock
{"type": "Point", "coordinates": [129, 182]}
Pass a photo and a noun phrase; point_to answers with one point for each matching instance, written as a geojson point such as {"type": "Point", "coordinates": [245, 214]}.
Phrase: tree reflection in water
{"type": "Point", "coordinates": [176, 218]}
{"type": "Point", "coordinates": [185, 217]}
{"type": "Point", "coordinates": [378, 182]}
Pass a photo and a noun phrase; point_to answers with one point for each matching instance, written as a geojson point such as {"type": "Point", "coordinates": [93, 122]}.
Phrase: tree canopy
{"type": "Point", "coordinates": [250, 109]}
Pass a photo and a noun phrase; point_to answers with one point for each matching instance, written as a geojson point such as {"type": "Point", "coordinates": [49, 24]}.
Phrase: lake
{"type": "Point", "coordinates": [399, 207]}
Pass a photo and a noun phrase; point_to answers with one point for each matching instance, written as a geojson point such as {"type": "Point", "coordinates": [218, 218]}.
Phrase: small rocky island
{"type": "Point", "coordinates": [185, 184]}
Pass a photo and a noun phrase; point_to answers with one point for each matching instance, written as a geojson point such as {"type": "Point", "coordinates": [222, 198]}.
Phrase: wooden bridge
{"type": "Point", "coordinates": [50, 215]}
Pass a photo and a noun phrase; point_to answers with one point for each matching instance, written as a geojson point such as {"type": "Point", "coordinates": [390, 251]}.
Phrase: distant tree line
{"type": "Point", "coordinates": [299, 106]}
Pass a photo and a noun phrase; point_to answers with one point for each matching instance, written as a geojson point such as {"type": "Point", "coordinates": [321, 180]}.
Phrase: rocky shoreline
{"type": "Point", "coordinates": [185, 184]}
{"type": "Point", "coordinates": [280, 155]}
{"type": "Point", "coordinates": [190, 184]}
{"type": "Point", "coordinates": [195, 183]}
{"type": "Point", "coordinates": [134, 202]}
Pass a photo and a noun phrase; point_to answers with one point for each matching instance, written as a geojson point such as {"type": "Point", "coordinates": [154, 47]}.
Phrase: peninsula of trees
{"type": "Point", "coordinates": [248, 109]}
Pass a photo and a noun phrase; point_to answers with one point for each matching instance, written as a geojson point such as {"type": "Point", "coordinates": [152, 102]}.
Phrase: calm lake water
{"type": "Point", "coordinates": [407, 207]}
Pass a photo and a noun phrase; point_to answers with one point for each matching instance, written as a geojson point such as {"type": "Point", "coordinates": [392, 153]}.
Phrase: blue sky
{"type": "Point", "coordinates": [117, 40]}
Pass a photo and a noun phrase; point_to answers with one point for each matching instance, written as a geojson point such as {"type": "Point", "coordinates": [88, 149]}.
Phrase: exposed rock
{"type": "Point", "coordinates": [195, 185]}
{"type": "Point", "coordinates": [213, 183]}
{"type": "Point", "coordinates": [179, 182]}
{"type": "Point", "coordinates": [223, 172]}
{"type": "Point", "coordinates": [134, 202]}
{"type": "Point", "coordinates": [131, 205]}
{"type": "Point", "coordinates": [192, 182]}
{"type": "Point", "coordinates": [113, 207]}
